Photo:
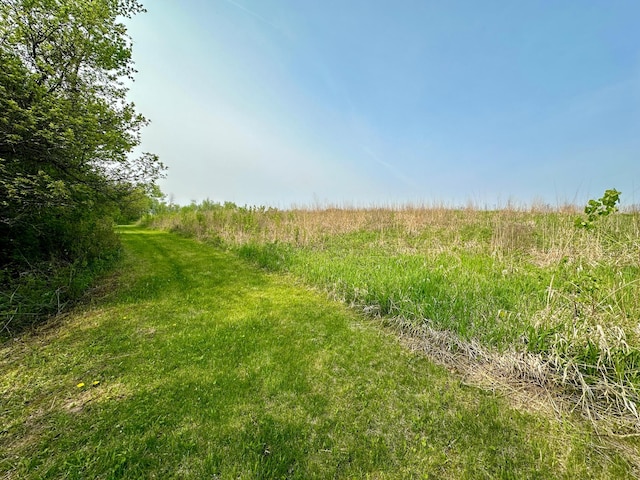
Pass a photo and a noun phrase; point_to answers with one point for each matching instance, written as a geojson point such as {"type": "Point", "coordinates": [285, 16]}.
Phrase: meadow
{"type": "Point", "coordinates": [521, 292]}
{"type": "Point", "coordinates": [189, 362]}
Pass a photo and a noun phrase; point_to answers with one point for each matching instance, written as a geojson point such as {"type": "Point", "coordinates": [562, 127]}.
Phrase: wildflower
{"type": "Point", "coordinates": [96, 383]}
{"type": "Point", "coordinates": [80, 385]}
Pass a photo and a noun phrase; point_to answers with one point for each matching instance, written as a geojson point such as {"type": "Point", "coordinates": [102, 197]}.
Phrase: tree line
{"type": "Point", "coordinates": [67, 137]}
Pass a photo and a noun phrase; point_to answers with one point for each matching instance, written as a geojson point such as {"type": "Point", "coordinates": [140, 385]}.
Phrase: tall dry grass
{"type": "Point", "coordinates": [547, 235]}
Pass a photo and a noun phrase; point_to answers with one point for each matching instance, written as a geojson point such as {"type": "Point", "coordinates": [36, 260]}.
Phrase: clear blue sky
{"type": "Point", "coordinates": [280, 102]}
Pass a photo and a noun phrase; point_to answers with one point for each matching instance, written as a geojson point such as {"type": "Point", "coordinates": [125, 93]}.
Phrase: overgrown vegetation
{"type": "Point", "coordinates": [198, 365]}
{"type": "Point", "coordinates": [66, 137]}
{"type": "Point", "coordinates": [524, 284]}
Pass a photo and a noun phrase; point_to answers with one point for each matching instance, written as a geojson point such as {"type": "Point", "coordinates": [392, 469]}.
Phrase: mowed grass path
{"type": "Point", "coordinates": [210, 368]}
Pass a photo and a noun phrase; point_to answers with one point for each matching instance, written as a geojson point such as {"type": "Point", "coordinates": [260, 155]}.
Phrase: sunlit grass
{"type": "Point", "coordinates": [197, 365]}
{"type": "Point", "coordinates": [519, 279]}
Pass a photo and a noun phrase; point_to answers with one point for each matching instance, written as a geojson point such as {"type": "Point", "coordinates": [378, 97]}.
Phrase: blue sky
{"type": "Point", "coordinates": [354, 102]}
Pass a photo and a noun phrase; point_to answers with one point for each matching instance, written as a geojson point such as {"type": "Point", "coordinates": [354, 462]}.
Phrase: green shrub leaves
{"type": "Point", "coordinates": [67, 134]}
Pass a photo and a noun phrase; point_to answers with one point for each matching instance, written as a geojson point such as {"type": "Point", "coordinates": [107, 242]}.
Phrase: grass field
{"type": "Point", "coordinates": [192, 363]}
{"type": "Point", "coordinates": [560, 303]}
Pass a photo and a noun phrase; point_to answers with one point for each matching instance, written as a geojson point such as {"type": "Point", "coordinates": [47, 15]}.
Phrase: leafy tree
{"type": "Point", "coordinates": [67, 131]}
{"type": "Point", "coordinates": [138, 203]}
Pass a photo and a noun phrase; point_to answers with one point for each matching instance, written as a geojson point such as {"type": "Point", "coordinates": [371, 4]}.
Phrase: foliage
{"type": "Point", "coordinates": [66, 132]}
{"type": "Point", "coordinates": [600, 208]}
{"type": "Point", "coordinates": [139, 202]}
{"type": "Point", "coordinates": [47, 288]}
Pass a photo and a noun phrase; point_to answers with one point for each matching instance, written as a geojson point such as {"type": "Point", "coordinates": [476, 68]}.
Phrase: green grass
{"type": "Point", "coordinates": [209, 368]}
{"type": "Point", "coordinates": [528, 282]}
